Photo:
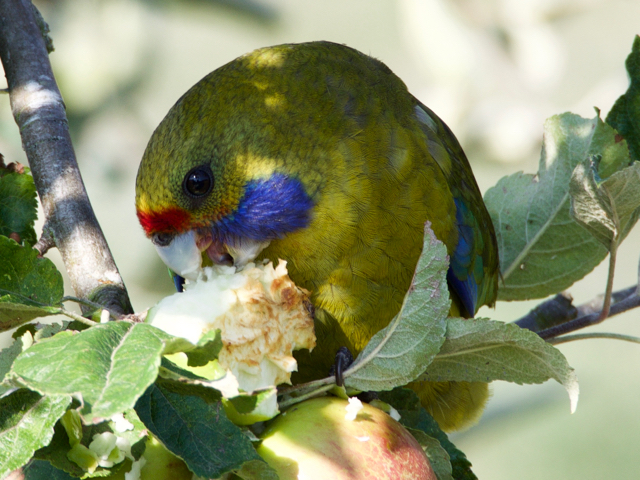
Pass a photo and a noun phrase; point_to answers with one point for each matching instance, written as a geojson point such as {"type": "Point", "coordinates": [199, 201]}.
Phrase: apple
{"type": "Point", "coordinates": [158, 464]}
{"type": "Point", "coordinates": [313, 440]}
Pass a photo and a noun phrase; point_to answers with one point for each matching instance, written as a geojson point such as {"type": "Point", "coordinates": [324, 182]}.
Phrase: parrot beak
{"type": "Point", "coordinates": [183, 253]}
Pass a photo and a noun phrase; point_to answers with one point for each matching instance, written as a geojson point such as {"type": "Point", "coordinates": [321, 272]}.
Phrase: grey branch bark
{"type": "Point", "coordinates": [558, 316]}
{"type": "Point", "coordinates": [39, 111]}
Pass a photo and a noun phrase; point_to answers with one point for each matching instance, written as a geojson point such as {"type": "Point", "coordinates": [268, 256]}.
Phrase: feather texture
{"type": "Point", "coordinates": [322, 150]}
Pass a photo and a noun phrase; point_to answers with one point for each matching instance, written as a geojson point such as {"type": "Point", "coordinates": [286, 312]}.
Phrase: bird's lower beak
{"type": "Point", "coordinates": [184, 254]}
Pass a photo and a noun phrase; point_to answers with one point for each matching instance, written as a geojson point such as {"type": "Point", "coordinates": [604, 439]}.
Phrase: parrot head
{"type": "Point", "coordinates": [213, 183]}
{"type": "Point", "coordinates": [205, 214]}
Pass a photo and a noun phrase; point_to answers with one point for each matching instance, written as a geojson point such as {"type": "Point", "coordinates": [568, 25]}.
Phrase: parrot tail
{"type": "Point", "coordinates": [454, 405]}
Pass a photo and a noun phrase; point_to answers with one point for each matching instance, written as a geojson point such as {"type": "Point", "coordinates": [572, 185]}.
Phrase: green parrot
{"type": "Point", "coordinates": [317, 154]}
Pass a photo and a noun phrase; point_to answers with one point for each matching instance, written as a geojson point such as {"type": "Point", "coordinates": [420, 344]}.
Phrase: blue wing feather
{"type": "Point", "coordinates": [461, 276]}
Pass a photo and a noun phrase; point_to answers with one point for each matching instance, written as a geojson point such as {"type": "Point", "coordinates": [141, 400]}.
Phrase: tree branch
{"type": "Point", "coordinates": [558, 316]}
{"type": "Point", "coordinates": [39, 111]}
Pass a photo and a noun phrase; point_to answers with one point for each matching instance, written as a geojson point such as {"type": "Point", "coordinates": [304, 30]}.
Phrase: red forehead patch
{"type": "Point", "coordinates": [169, 220]}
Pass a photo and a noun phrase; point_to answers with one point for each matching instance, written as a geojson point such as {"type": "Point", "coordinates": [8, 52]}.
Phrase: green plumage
{"type": "Point", "coordinates": [377, 165]}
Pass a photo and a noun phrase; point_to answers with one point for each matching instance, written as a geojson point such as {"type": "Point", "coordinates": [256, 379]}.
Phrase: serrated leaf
{"type": "Point", "coordinates": [252, 407]}
{"type": "Point", "coordinates": [398, 353]}
{"type": "Point", "coordinates": [609, 146]}
{"type": "Point", "coordinates": [186, 382]}
{"type": "Point", "coordinates": [13, 314]}
{"type": "Point", "coordinates": [198, 432]}
{"type": "Point", "coordinates": [56, 451]}
{"type": "Point", "coordinates": [8, 356]}
{"type": "Point", "coordinates": [108, 365]}
{"type": "Point", "coordinates": [208, 348]}
{"type": "Point", "coordinates": [18, 204]}
{"type": "Point", "coordinates": [414, 416]}
{"type": "Point", "coordinates": [624, 116]}
{"type": "Point", "coordinates": [542, 249]}
{"type": "Point", "coordinates": [607, 209]}
{"type": "Point", "coordinates": [26, 424]}
{"type": "Point", "coordinates": [438, 456]}
{"type": "Point", "coordinates": [480, 350]}
{"type": "Point", "coordinates": [30, 287]}
{"type": "Point", "coordinates": [41, 469]}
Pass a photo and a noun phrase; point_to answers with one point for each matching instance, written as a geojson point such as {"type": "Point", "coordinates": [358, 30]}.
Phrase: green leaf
{"type": "Point", "coordinates": [18, 204]}
{"type": "Point", "coordinates": [398, 353]}
{"type": "Point", "coordinates": [41, 469]}
{"type": "Point", "coordinates": [30, 287]}
{"type": "Point", "coordinates": [108, 365]}
{"type": "Point", "coordinates": [15, 314]}
{"type": "Point", "coordinates": [57, 451]}
{"type": "Point", "coordinates": [415, 417]}
{"type": "Point", "coordinates": [8, 356]}
{"type": "Point", "coordinates": [198, 432]}
{"type": "Point", "coordinates": [480, 350]}
{"type": "Point", "coordinates": [249, 408]}
{"type": "Point", "coordinates": [625, 113]}
{"type": "Point", "coordinates": [185, 382]}
{"type": "Point", "coordinates": [542, 249]}
{"type": "Point", "coordinates": [607, 209]}
{"type": "Point", "coordinates": [43, 331]}
{"type": "Point", "coordinates": [438, 456]}
{"type": "Point", "coordinates": [26, 424]}
{"type": "Point", "coordinates": [610, 148]}
{"type": "Point", "coordinates": [257, 470]}
{"type": "Point", "coordinates": [208, 348]}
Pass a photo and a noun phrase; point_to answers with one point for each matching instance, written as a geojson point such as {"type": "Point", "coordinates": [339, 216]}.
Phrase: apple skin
{"type": "Point", "coordinates": [160, 464]}
{"type": "Point", "coordinates": [312, 440]}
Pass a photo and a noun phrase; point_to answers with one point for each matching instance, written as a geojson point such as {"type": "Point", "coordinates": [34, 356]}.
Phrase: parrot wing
{"type": "Point", "coordinates": [473, 268]}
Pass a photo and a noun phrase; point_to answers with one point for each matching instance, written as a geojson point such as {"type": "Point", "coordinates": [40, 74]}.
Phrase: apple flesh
{"type": "Point", "coordinates": [313, 440]}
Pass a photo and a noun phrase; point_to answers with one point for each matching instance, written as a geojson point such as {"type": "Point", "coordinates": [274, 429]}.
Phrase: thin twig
{"type": "Point", "coordinates": [584, 336]}
{"type": "Point", "coordinates": [558, 316]}
{"type": "Point", "coordinates": [632, 301]}
{"type": "Point", "coordinates": [77, 318]}
{"type": "Point", "coordinates": [93, 305]}
{"type": "Point", "coordinates": [306, 386]}
{"type": "Point", "coordinates": [293, 400]}
{"type": "Point", "coordinates": [559, 309]}
{"type": "Point", "coordinates": [45, 242]}
{"type": "Point", "coordinates": [38, 110]}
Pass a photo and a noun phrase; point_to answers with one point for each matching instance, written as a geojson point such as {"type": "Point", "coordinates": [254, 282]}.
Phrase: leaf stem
{"type": "Point", "coordinates": [606, 307]}
{"type": "Point", "coordinates": [89, 303]}
{"type": "Point", "coordinates": [78, 318]}
{"type": "Point", "coordinates": [314, 393]}
{"type": "Point", "coordinates": [310, 385]}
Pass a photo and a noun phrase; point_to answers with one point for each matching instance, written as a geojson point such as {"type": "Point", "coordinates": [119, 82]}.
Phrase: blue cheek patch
{"type": "Point", "coordinates": [461, 276]}
{"type": "Point", "coordinates": [269, 209]}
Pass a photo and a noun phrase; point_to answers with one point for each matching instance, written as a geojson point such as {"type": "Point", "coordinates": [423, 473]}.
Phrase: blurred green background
{"type": "Point", "coordinates": [492, 69]}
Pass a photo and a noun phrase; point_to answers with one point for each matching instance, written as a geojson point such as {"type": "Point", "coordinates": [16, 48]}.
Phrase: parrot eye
{"type": "Point", "coordinates": [162, 239]}
{"type": "Point", "coordinates": [198, 182]}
